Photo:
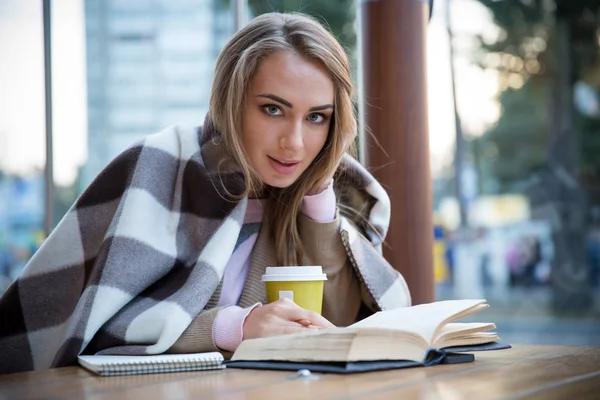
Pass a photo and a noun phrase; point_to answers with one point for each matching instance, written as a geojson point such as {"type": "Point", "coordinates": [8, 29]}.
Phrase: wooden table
{"type": "Point", "coordinates": [537, 372]}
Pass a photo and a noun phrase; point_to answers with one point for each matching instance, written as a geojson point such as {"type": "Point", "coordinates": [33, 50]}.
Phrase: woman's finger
{"type": "Point", "coordinates": [317, 319]}
{"type": "Point", "coordinates": [308, 318]}
{"type": "Point", "coordinates": [293, 312]}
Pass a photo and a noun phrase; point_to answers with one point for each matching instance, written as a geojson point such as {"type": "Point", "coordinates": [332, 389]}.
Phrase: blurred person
{"type": "Point", "coordinates": [523, 259]}
{"type": "Point", "coordinates": [484, 257]}
{"type": "Point", "coordinates": [165, 249]}
{"type": "Point", "coordinates": [515, 262]}
{"type": "Point", "coordinates": [533, 256]}
{"type": "Point", "coordinates": [592, 251]}
{"type": "Point", "coordinates": [450, 255]}
{"type": "Point", "coordinates": [440, 265]}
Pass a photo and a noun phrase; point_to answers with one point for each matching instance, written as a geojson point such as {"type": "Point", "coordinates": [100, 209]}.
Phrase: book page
{"type": "Point", "coordinates": [456, 329]}
{"type": "Point", "coordinates": [332, 344]}
{"type": "Point", "coordinates": [423, 319]}
{"type": "Point", "coordinates": [470, 339]}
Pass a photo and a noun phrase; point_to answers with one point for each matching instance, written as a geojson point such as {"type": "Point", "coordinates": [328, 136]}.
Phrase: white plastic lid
{"type": "Point", "coordinates": [290, 274]}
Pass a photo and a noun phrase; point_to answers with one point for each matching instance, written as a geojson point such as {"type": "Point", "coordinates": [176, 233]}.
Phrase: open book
{"type": "Point", "coordinates": [401, 334]}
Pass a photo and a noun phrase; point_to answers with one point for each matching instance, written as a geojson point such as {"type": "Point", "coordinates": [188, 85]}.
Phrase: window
{"type": "Point", "coordinates": [22, 136]}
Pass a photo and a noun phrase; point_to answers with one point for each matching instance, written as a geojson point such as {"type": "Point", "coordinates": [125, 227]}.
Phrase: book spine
{"type": "Point", "coordinates": [433, 357]}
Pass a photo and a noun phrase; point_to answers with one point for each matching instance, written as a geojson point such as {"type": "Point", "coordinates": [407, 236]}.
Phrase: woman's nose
{"type": "Point", "coordinates": [292, 138]}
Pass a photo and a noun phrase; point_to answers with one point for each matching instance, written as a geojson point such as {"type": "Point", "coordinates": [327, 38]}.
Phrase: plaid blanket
{"type": "Point", "coordinates": [144, 248]}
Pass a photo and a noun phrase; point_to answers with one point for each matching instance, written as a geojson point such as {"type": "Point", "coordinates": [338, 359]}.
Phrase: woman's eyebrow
{"type": "Point", "coordinates": [277, 99]}
{"type": "Point", "coordinates": [320, 108]}
{"type": "Point", "coordinates": [289, 105]}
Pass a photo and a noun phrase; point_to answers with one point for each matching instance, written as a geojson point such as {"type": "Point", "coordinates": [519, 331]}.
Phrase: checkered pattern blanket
{"type": "Point", "coordinates": [144, 248]}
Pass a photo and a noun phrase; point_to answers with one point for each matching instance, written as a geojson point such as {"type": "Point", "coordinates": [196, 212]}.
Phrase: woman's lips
{"type": "Point", "coordinates": [283, 167]}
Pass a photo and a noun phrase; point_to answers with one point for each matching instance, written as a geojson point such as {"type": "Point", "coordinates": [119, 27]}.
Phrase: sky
{"type": "Point", "coordinates": [22, 124]}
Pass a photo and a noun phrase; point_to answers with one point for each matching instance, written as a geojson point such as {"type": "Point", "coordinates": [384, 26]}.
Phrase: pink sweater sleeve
{"type": "Point", "coordinates": [229, 323]}
{"type": "Point", "coordinates": [320, 207]}
{"type": "Point", "coordinates": [228, 330]}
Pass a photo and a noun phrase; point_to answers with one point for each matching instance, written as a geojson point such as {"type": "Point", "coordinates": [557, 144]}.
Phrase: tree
{"type": "Point", "coordinates": [513, 149]}
{"type": "Point", "coordinates": [529, 51]}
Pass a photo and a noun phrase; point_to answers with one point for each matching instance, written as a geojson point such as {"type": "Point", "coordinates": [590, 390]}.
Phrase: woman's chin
{"type": "Point", "coordinates": [279, 182]}
{"type": "Point", "coordinates": [280, 185]}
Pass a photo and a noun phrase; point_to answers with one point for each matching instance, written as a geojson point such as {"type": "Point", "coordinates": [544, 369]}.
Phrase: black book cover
{"type": "Point", "coordinates": [450, 355]}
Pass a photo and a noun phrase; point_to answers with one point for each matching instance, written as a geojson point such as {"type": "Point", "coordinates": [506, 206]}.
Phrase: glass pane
{"type": "Point", "coordinates": [149, 65]}
{"type": "Point", "coordinates": [528, 99]}
{"type": "Point", "coordinates": [22, 135]}
{"type": "Point", "coordinates": [124, 69]}
{"type": "Point", "coordinates": [68, 101]}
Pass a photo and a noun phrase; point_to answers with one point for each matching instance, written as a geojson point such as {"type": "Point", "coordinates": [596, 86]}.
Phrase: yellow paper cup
{"type": "Point", "coordinates": [302, 285]}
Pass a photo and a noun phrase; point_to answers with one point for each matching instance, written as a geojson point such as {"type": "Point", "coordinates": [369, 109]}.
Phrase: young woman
{"type": "Point", "coordinates": [165, 250]}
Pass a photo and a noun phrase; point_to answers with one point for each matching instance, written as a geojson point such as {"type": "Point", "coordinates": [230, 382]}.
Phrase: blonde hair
{"type": "Point", "coordinates": [235, 67]}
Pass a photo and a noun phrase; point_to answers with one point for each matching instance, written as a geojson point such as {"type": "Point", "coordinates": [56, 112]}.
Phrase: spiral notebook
{"type": "Point", "coordinates": [162, 363]}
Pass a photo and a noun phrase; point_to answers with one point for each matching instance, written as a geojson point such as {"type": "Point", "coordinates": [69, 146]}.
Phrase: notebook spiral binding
{"type": "Point", "coordinates": [160, 366]}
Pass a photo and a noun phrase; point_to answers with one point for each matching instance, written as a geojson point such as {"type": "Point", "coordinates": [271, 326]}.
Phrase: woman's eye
{"type": "Point", "coordinates": [272, 110]}
{"type": "Point", "coordinates": [316, 118]}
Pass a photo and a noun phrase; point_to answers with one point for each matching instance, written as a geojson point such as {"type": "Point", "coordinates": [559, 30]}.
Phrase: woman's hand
{"type": "Point", "coordinates": [282, 317]}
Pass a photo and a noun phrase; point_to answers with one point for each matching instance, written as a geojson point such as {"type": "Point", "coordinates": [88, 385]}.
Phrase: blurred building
{"type": "Point", "coordinates": [149, 65]}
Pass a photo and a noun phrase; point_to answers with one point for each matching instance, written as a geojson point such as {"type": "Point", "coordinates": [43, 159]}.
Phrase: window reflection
{"type": "Point", "coordinates": [527, 94]}
{"type": "Point", "coordinates": [22, 152]}
{"type": "Point", "coordinates": [530, 180]}
{"type": "Point", "coordinates": [149, 66]}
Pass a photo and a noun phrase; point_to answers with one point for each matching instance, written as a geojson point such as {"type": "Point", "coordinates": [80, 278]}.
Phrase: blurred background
{"type": "Point", "coordinates": [516, 83]}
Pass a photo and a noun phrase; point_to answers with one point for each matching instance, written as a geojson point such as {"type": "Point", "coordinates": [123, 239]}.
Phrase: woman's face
{"type": "Point", "coordinates": [287, 113]}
